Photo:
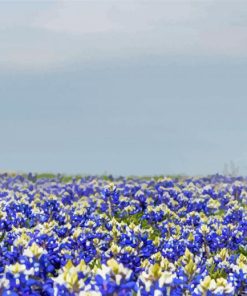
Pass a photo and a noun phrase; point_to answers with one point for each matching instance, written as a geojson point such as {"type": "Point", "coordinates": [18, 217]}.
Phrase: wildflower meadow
{"type": "Point", "coordinates": [122, 236]}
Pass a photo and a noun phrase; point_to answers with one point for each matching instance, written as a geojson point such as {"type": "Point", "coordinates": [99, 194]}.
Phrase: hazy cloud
{"type": "Point", "coordinates": [44, 35]}
{"type": "Point", "coordinates": [132, 87]}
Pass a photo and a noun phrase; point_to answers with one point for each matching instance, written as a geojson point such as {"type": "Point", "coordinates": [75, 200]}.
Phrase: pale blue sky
{"type": "Point", "coordinates": [124, 87]}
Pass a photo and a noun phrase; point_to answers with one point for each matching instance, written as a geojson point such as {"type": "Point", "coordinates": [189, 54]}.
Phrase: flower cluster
{"type": "Point", "coordinates": [123, 236]}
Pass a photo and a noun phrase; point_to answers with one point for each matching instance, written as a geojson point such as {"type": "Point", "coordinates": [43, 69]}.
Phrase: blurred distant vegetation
{"type": "Point", "coordinates": [68, 178]}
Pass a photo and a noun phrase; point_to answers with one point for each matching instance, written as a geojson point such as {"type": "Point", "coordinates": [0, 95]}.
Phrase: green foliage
{"type": "Point", "coordinates": [2, 236]}
{"type": "Point", "coordinates": [66, 179]}
{"type": "Point", "coordinates": [156, 233]}
{"type": "Point", "coordinates": [128, 219]}
{"type": "Point", "coordinates": [242, 250]}
{"type": "Point", "coordinates": [105, 177]}
{"type": "Point", "coordinates": [216, 273]}
{"type": "Point", "coordinates": [137, 219]}
{"type": "Point", "coordinates": [220, 213]}
{"type": "Point", "coordinates": [95, 263]}
{"type": "Point", "coordinates": [46, 176]}
{"type": "Point", "coordinates": [27, 223]}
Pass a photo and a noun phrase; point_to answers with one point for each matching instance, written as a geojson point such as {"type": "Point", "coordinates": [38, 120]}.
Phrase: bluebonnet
{"type": "Point", "coordinates": [122, 236]}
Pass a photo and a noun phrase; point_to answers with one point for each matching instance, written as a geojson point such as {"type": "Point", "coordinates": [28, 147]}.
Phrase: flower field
{"type": "Point", "coordinates": [123, 236]}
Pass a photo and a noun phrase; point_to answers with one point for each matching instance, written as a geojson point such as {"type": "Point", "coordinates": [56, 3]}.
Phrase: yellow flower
{"type": "Point", "coordinates": [242, 266]}
{"type": "Point", "coordinates": [219, 230]}
{"type": "Point", "coordinates": [115, 248]}
{"type": "Point", "coordinates": [139, 193]}
{"type": "Point", "coordinates": [17, 268]}
{"type": "Point", "coordinates": [188, 255]}
{"type": "Point", "coordinates": [81, 267]}
{"type": "Point", "coordinates": [241, 258]}
{"type": "Point", "coordinates": [69, 265]}
{"type": "Point", "coordinates": [208, 284]}
{"type": "Point", "coordinates": [113, 264]}
{"type": "Point", "coordinates": [52, 197]}
{"type": "Point", "coordinates": [2, 214]}
{"type": "Point", "coordinates": [145, 263]}
{"type": "Point", "coordinates": [129, 249]}
{"type": "Point", "coordinates": [157, 256]}
{"type": "Point", "coordinates": [205, 229]}
{"type": "Point", "coordinates": [191, 237]}
{"type": "Point", "coordinates": [34, 251]}
{"type": "Point", "coordinates": [77, 232]}
{"type": "Point", "coordinates": [166, 278]}
{"type": "Point", "coordinates": [22, 240]}
{"type": "Point", "coordinates": [156, 241]}
{"type": "Point", "coordinates": [190, 267]}
{"type": "Point", "coordinates": [223, 254]}
{"type": "Point", "coordinates": [213, 203]}
{"type": "Point", "coordinates": [155, 271]}
{"type": "Point", "coordinates": [70, 277]}
{"type": "Point", "coordinates": [165, 264]}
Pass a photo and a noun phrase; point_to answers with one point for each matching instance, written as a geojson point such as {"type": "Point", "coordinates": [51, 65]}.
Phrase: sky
{"type": "Point", "coordinates": [123, 87]}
